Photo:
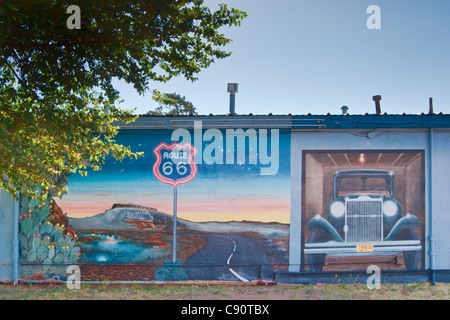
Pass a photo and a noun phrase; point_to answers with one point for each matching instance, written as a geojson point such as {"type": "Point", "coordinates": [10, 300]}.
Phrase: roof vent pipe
{"type": "Point", "coordinates": [232, 90]}
{"type": "Point", "coordinates": [344, 110]}
{"type": "Point", "coordinates": [377, 104]}
{"type": "Point", "coordinates": [431, 111]}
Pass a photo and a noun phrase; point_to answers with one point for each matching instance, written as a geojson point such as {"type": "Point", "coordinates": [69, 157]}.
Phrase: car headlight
{"type": "Point", "coordinates": [390, 208]}
{"type": "Point", "coordinates": [337, 209]}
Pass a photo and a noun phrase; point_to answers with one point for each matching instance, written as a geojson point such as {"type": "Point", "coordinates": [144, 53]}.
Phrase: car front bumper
{"type": "Point", "coordinates": [362, 248]}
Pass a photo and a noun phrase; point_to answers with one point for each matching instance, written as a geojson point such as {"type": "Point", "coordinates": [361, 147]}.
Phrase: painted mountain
{"type": "Point", "coordinates": [136, 217]}
{"type": "Point", "coordinates": [124, 217]}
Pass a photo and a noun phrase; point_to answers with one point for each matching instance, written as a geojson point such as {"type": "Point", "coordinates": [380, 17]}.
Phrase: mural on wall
{"type": "Point", "coordinates": [361, 208]}
{"type": "Point", "coordinates": [232, 219]}
{"type": "Point", "coordinates": [47, 241]}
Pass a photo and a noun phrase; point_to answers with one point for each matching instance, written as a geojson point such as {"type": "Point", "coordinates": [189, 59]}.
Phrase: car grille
{"type": "Point", "coordinates": [364, 220]}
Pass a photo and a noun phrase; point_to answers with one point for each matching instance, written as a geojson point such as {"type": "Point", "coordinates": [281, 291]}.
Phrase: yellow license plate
{"type": "Point", "coordinates": [364, 248]}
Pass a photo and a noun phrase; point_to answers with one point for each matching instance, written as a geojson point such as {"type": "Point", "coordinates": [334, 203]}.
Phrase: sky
{"type": "Point", "coordinates": [315, 56]}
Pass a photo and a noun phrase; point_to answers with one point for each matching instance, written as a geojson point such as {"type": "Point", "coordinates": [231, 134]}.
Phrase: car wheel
{"type": "Point", "coordinates": [316, 261]}
{"type": "Point", "coordinates": [411, 258]}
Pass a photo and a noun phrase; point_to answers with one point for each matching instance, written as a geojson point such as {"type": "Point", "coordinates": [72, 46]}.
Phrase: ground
{"type": "Point", "coordinates": [225, 291]}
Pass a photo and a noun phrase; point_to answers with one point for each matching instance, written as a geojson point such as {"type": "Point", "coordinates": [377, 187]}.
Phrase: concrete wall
{"type": "Point", "coordinates": [386, 139]}
{"type": "Point", "coordinates": [441, 199]}
{"type": "Point", "coordinates": [417, 193]}
{"type": "Point", "coordinates": [6, 236]}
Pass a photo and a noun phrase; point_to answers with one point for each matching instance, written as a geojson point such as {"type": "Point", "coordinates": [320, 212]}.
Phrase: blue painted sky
{"type": "Point", "coordinates": [301, 56]}
{"type": "Point", "coordinates": [219, 192]}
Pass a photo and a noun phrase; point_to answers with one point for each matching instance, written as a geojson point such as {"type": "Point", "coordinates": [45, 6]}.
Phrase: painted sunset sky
{"type": "Point", "coordinates": [219, 192]}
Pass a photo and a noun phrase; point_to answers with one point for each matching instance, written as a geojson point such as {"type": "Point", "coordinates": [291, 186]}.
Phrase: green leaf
{"type": "Point", "coordinates": [57, 234]}
{"type": "Point", "coordinates": [73, 258]}
{"type": "Point", "coordinates": [32, 255]}
{"type": "Point", "coordinates": [66, 253]}
{"type": "Point", "coordinates": [42, 253]}
{"type": "Point", "coordinates": [45, 228]}
{"type": "Point", "coordinates": [35, 243]}
{"type": "Point", "coordinates": [43, 213]}
{"type": "Point", "coordinates": [51, 253]}
{"type": "Point", "coordinates": [24, 244]}
{"type": "Point", "coordinates": [27, 226]}
{"type": "Point", "coordinates": [32, 204]}
{"type": "Point", "coordinates": [59, 258]}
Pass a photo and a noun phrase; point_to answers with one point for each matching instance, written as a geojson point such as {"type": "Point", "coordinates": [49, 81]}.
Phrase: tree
{"type": "Point", "coordinates": [57, 99]}
{"type": "Point", "coordinates": [176, 105]}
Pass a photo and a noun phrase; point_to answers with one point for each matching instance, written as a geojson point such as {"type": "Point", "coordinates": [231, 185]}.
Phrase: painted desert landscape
{"type": "Point", "coordinates": [134, 242]}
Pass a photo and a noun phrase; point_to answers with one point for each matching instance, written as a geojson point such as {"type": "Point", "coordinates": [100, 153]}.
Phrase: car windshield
{"type": "Point", "coordinates": [362, 184]}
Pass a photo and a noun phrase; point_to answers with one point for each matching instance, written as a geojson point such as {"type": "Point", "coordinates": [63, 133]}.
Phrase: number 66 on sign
{"type": "Point", "coordinates": [174, 163]}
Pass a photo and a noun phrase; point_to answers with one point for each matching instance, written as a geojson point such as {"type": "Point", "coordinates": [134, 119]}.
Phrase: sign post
{"type": "Point", "coordinates": [175, 165]}
{"type": "Point", "coordinates": [174, 240]}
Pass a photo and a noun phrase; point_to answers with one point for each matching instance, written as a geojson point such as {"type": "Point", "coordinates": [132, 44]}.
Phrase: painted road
{"type": "Point", "coordinates": [227, 257]}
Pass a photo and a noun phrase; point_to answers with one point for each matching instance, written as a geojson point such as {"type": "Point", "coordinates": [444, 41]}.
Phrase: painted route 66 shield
{"type": "Point", "coordinates": [174, 163]}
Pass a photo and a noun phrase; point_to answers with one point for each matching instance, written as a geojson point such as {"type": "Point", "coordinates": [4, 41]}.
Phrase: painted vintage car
{"type": "Point", "coordinates": [364, 218]}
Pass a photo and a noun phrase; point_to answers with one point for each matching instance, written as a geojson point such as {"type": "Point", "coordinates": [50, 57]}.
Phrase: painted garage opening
{"type": "Point", "coordinates": [363, 204]}
{"type": "Point", "coordinates": [269, 198]}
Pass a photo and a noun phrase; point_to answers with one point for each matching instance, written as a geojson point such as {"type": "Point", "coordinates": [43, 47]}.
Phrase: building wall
{"type": "Point", "coordinates": [388, 141]}
{"type": "Point", "coordinates": [6, 235]}
{"type": "Point", "coordinates": [441, 200]}
{"type": "Point", "coordinates": [234, 223]}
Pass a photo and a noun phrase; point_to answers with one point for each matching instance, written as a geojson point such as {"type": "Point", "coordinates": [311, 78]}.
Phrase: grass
{"type": "Point", "coordinates": [220, 291]}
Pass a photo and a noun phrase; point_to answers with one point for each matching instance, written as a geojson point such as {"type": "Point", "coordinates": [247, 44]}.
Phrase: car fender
{"type": "Point", "coordinates": [319, 222]}
{"type": "Point", "coordinates": [409, 221]}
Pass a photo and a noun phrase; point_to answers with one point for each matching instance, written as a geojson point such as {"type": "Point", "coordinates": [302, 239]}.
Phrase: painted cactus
{"type": "Point", "coordinates": [41, 241]}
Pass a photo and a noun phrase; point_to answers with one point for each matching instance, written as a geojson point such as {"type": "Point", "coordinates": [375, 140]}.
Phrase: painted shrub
{"type": "Point", "coordinates": [43, 242]}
